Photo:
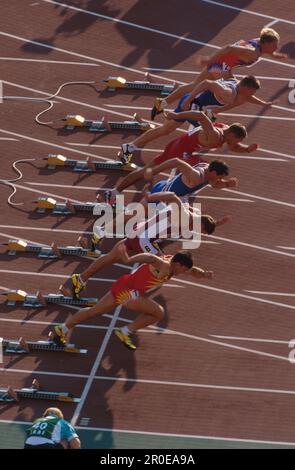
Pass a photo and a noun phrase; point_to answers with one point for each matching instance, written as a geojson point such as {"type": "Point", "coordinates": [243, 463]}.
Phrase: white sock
{"type": "Point", "coordinates": [126, 330]}
{"type": "Point", "coordinates": [65, 329]}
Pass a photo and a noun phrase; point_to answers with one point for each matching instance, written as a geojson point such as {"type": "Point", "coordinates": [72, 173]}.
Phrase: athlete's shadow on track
{"type": "Point", "coordinates": [172, 17]}
{"type": "Point", "coordinates": [283, 91]}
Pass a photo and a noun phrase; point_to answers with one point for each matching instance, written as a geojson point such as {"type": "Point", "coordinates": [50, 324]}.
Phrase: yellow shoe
{"type": "Point", "coordinates": [78, 285]}
{"type": "Point", "coordinates": [157, 108]}
{"type": "Point", "coordinates": [58, 336]}
{"type": "Point", "coordinates": [126, 339]}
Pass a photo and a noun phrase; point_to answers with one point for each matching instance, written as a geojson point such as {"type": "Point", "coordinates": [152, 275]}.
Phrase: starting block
{"type": "Point", "coordinates": [87, 166]}
{"type": "Point", "coordinates": [52, 252]}
{"type": "Point", "coordinates": [25, 347]}
{"type": "Point", "coordinates": [72, 121]}
{"type": "Point", "coordinates": [66, 208]}
{"type": "Point", "coordinates": [119, 82]}
{"type": "Point", "coordinates": [10, 394]}
{"type": "Point", "coordinates": [38, 300]}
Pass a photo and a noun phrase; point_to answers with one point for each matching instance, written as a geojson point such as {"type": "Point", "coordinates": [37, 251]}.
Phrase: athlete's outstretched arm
{"type": "Point", "coordinates": [199, 116]}
{"type": "Point", "coordinates": [190, 173]}
{"type": "Point", "coordinates": [210, 85]}
{"type": "Point", "coordinates": [166, 196]}
{"type": "Point", "coordinates": [200, 273]}
{"type": "Point", "coordinates": [256, 100]}
{"type": "Point", "coordinates": [241, 148]}
{"type": "Point", "coordinates": [147, 258]}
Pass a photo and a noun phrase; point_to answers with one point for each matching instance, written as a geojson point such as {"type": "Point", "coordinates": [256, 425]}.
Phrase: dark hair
{"type": "Point", "coordinates": [238, 129]}
{"type": "Point", "coordinates": [250, 82]}
{"type": "Point", "coordinates": [219, 167]}
{"type": "Point", "coordinates": [208, 223]}
{"type": "Point", "coordinates": [184, 258]}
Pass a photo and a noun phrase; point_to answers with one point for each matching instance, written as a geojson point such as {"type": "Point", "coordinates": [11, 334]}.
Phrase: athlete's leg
{"type": "Point", "coordinates": [149, 136]}
{"type": "Point", "coordinates": [150, 312]}
{"type": "Point", "coordinates": [107, 260]}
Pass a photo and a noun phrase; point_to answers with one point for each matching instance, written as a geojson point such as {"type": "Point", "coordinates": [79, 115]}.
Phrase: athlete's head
{"type": "Point", "coordinates": [53, 412]}
{"type": "Point", "coordinates": [234, 134]}
{"type": "Point", "coordinates": [269, 40]}
{"type": "Point", "coordinates": [208, 224]}
{"type": "Point", "coordinates": [249, 85]}
{"type": "Point", "coordinates": [217, 170]}
{"type": "Point", "coordinates": [181, 262]}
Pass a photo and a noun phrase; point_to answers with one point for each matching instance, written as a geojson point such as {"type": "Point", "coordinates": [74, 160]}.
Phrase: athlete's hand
{"type": "Point", "coordinates": [232, 182]}
{"type": "Point", "coordinates": [146, 192]}
{"type": "Point", "coordinates": [170, 115]}
{"type": "Point", "coordinates": [208, 274]}
{"type": "Point", "coordinates": [252, 148]}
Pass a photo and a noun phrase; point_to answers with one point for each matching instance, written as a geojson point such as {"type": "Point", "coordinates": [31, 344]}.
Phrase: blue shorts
{"type": "Point", "coordinates": [206, 98]}
{"type": "Point", "coordinates": [159, 186]}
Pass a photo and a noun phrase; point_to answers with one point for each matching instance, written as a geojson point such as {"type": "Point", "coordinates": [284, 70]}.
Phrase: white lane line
{"type": "Point", "coordinates": [236, 294]}
{"type": "Point", "coordinates": [42, 372]}
{"type": "Point", "coordinates": [95, 366]}
{"type": "Point", "coordinates": [194, 385]}
{"type": "Point", "coordinates": [212, 154]}
{"type": "Point", "coordinates": [255, 340]}
{"type": "Point", "coordinates": [20, 186]}
{"type": "Point", "coordinates": [89, 327]}
{"type": "Point", "coordinates": [8, 138]}
{"type": "Point", "coordinates": [52, 144]}
{"type": "Point", "coordinates": [190, 436]}
{"type": "Point", "coordinates": [98, 360]}
{"type": "Point", "coordinates": [282, 294]}
{"type": "Point", "coordinates": [194, 72]}
{"type": "Point", "coordinates": [83, 56]}
{"type": "Point", "coordinates": [80, 103]}
{"type": "Point", "coordinates": [260, 198]}
{"type": "Point", "coordinates": [45, 229]}
{"type": "Point", "coordinates": [252, 116]}
{"type": "Point", "coordinates": [272, 23]}
{"type": "Point", "coordinates": [63, 276]}
{"type": "Point", "coordinates": [250, 245]}
{"type": "Point", "coordinates": [287, 247]}
{"type": "Point", "coordinates": [273, 152]}
{"type": "Point", "coordinates": [261, 15]}
{"type": "Point", "coordinates": [20, 59]}
{"type": "Point", "coordinates": [6, 235]}
{"type": "Point", "coordinates": [130, 191]}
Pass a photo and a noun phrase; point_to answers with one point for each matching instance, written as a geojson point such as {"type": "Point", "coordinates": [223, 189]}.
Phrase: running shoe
{"type": "Point", "coordinates": [78, 284]}
{"type": "Point", "coordinates": [157, 108]}
{"type": "Point", "coordinates": [58, 336]}
{"type": "Point", "coordinates": [127, 153]}
{"type": "Point", "coordinates": [126, 339]}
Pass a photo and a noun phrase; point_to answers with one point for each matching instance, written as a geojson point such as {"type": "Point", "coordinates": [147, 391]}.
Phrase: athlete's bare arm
{"type": "Point", "coordinates": [243, 53]}
{"type": "Point", "coordinates": [241, 148]}
{"type": "Point", "coordinates": [255, 100]}
{"type": "Point", "coordinates": [226, 183]}
{"type": "Point", "coordinates": [191, 174]}
{"type": "Point", "coordinates": [142, 258]}
{"type": "Point", "coordinates": [210, 85]}
{"type": "Point", "coordinates": [211, 132]}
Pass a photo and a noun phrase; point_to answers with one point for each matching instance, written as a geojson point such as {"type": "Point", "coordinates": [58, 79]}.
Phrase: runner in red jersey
{"type": "Point", "coordinates": [221, 64]}
{"type": "Point", "coordinates": [146, 235]}
{"type": "Point", "coordinates": [207, 136]}
{"type": "Point", "coordinates": [128, 290]}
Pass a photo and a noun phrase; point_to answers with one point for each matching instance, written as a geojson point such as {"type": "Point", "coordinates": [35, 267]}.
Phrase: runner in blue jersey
{"type": "Point", "coordinates": [224, 61]}
{"type": "Point", "coordinates": [52, 431]}
{"type": "Point", "coordinates": [192, 179]}
{"type": "Point", "coordinates": [219, 96]}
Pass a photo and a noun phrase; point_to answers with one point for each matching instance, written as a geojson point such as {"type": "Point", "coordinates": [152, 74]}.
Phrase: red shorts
{"type": "Point", "coordinates": [175, 150]}
{"type": "Point", "coordinates": [122, 292]}
{"type": "Point", "coordinates": [142, 245]}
